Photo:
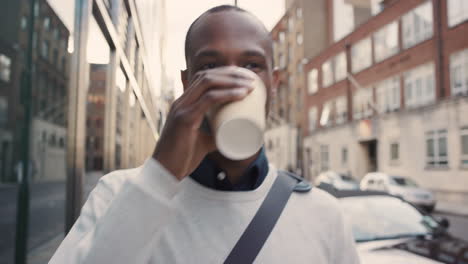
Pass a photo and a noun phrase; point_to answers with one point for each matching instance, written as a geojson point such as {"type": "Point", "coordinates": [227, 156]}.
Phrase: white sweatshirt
{"type": "Point", "coordinates": [145, 215]}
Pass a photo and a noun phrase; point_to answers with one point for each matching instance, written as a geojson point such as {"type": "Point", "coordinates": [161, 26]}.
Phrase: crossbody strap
{"type": "Point", "coordinates": [258, 230]}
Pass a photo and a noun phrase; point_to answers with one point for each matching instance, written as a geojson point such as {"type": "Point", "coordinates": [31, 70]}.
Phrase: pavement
{"type": "Point", "coordinates": [457, 209]}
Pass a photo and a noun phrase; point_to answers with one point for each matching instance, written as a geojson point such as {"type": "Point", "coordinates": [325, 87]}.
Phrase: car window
{"type": "Point", "coordinates": [379, 217]}
{"type": "Point", "coordinates": [401, 181]}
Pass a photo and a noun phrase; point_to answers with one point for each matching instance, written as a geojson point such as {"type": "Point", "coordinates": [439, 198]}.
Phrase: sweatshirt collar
{"type": "Point", "coordinates": [210, 175]}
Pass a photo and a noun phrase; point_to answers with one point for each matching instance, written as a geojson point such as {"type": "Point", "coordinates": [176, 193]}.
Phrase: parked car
{"type": "Point", "coordinates": [388, 229]}
{"type": "Point", "coordinates": [340, 181]}
{"type": "Point", "coordinates": [399, 186]}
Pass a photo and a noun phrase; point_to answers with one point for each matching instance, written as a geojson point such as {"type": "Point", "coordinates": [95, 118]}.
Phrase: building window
{"type": "Point", "coordinates": [386, 42]}
{"type": "Point", "coordinates": [299, 68]}
{"type": "Point", "coordinates": [361, 56]}
{"type": "Point", "coordinates": [464, 146]}
{"type": "Point", "coordinates": [55, 57]}
{"type": "Point", "coordinates": [459, 72]}
{"type": "Point", "coordinates": [417, 25]}
{"type": "Point", "coordinates": [61, 142]}
{"type": "Point", "coordinates": [299, 39]}
{"type": "Point", "coordinates": [47, 23]}
{"type": "Point", "coordinates": [344, 156]}
{"type": "Point", "coordinates": [436, 148]}
{"type": "Point", "coordinates": [457, 12]}
{"type": "Point", "coordinates": [327, 73]}
{"type": "Point", "coordinates": [299, 12]}
{"type": "Point", "coordinates": [340, 66]}
{"type": "Point", "coordinates": [282, 61]}
{"type": "Point", "coordinates": [312, 81]}
{"type": "Point", "coordinates": [52, 140]}
{"type": "Point", "coordinates": [362, 103]}
{"type": "Point", "coordinates": [324, 158]}
{"type": "Point", "coordinates": [24, 22]}
{"type": "Point", "coordinates": [3, 112]}
{"type": "Point", "coordinates": [312, 118]}
{"type": "Point", "coordinates": [56, 34]}
{"type": "Point", "coordinates": [419, 86]}
{"type": "Point", "coordinates": [281, 37]}
{"type": "Point", "coordinates": [45, 49]}
{"type": "Point", "coordinates": [341, 110]}
{"type": "Point", "coordinates": [394, 151]}
{"type": "Point", "coordinates": [326, 115]}
{"type": "Point", "coordinates": [388, 95]}
{"type": "Point", "coordinates": [290, 23]}
{"type": "Point", "coordinates": [5, 68]}
{"type": "Point", "coordinates": [36, 9]}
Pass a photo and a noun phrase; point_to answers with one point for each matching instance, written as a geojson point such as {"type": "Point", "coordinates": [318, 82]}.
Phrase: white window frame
{"type": "Point", "coordinates": [463, 153]}
{"type": "Point", "coordinates": [361, 55]}
{"type": "Point", "coordinates": [340, 66]}
{"type": "Point", "coordinates": [414, 28]}
{"type": "Point", "coordinates": [457, 12]}
{"type": "Point", "coordinates": [299, 12]}
{"type": "Point", "coordinates": [281, 36]}
{"type": "Point", "coordinates": [326, 116]}
{"type": "Point", "coordinates": [392, 158]}
{"type": "Point", "coordinates": [437, 160]}
{"type": "Point", "coordinates": [312, 81]}
{"type": "Point", "coordinates": [312, 115]}
{"type": "Point", "coordinates": [362, 103]}
{"type": "Point", "coordinates": [5, 68]}
{"type": "Point", "coordinates": [341, 110]}
{"type": "Point", "coordinates": [327, 73]}
{"type": "Point", "coordinates": [324, 158]}
{"type": "Point", "coordinates": [459, 73]}
{"type": "Point", "coordinates": [344, 158]}
{"type": "Point", "coordinates": [299, 39]}
{"type": "Point", "coordinates": [388, 94]}
{"type": "Point", "coordinates": [419, 85]}
{"type": "Point", "coordinates": [386, 41]}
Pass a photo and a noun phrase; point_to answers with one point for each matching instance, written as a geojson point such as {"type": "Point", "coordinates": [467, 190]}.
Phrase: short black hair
{"type": "Point", "coordinates": [215, 9]}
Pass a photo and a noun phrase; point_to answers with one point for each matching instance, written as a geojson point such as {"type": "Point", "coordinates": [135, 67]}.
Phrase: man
{"type": "Point", "coordinates": [189, 204]}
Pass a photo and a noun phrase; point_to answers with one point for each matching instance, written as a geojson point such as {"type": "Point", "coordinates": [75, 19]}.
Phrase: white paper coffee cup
{"type": "Point", "coordinates": [239, 126]}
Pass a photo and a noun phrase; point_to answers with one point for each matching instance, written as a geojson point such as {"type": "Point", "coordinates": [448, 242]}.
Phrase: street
{"type": "Point", "coordinates": [458, 225]}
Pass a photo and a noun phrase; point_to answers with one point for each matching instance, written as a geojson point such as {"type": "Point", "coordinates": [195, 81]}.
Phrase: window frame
{"type": "Point", "coordinates": [5, 68]}
{"type": "Point", "coordinates": [410, 38]}
{"type": "Point", "coordinates": [384, 35]}
{"type": "Point", "coordinates": [359, 49]}
{"type": "Point", "coordinates": [463, 154]}
{"type": "Point", "coordinates": [394, 151]}
{"type": "Point", "coordinates": [312, 81]}
{"type": "Point", "coordinates": [324, 157]}
{"type": "Point", "coordinates": [436, 160]}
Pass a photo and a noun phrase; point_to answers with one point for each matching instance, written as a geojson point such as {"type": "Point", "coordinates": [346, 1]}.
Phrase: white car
{"type": "Point", "coordinates": [390, 230]}
{"type": "Point", "coordinates": [399, 186]}
{"type": "Point", "coordinates": [340, 181]}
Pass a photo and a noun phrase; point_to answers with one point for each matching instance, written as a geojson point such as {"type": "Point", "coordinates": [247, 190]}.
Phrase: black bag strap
{"type": "Point", "coordinates": [258, 230]}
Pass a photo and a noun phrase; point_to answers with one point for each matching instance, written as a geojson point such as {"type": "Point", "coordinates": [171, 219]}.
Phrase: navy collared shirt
{"type": "Point", "coordinates": [211, 176]}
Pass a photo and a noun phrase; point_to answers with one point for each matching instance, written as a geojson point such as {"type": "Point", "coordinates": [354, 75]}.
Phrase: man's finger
{"type": "Point", "coordinates": [212, 81]}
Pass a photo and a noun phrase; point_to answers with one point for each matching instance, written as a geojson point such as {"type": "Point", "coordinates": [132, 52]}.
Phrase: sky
{"type": "Point", "coordinates": [180, 14]}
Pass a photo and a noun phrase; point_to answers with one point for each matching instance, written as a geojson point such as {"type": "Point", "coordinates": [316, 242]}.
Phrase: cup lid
{"type": "Point", "coordinates": [239, 138]}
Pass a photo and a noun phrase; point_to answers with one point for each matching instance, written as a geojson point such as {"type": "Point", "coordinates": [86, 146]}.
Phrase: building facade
{"type": "Point", "coordinates": [305, 30]}
{"type": "Point", "coordinates": [391, 97]}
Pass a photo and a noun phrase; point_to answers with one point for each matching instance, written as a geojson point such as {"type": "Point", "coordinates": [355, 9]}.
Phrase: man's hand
{"type": "Point", "coordinates": [182, 144]}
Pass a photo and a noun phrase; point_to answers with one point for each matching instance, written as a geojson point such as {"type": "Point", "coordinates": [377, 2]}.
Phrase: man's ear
{"type": "Point", "coordinates": [184, 78]}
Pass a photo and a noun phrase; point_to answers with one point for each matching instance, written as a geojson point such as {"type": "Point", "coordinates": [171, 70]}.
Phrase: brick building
{"type": "Point", "coordinates": [307, 28]}
{"type": "Point", "coordinates": [391, 97]}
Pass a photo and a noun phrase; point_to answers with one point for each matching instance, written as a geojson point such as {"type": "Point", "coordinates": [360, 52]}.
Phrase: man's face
{"type": "Point", "coordinates": [231, 38]}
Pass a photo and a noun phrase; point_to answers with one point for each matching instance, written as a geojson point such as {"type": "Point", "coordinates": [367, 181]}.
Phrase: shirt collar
{"type": "Point", "coordinates": [210, 175]}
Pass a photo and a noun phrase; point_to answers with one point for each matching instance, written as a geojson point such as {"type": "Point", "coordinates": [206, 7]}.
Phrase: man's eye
{"type": "Point", "coordinates": [252, 66]}
{"type": "Point", "coordinates": [208, 66]}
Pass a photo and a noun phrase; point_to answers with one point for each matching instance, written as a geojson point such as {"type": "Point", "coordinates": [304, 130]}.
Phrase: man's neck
{"type": "Point", "coordinates": [234, 169]}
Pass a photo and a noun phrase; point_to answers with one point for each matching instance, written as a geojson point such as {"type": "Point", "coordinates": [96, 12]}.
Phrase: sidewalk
{"type": "Point", "coordinates": [451, 208]}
